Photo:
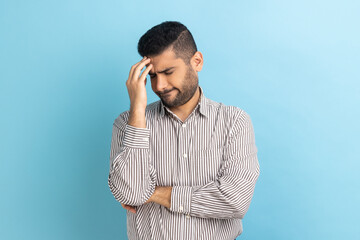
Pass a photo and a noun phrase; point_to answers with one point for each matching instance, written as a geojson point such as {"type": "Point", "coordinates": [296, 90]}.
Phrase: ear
{"type": "Point", "coordinates": [197, 61]}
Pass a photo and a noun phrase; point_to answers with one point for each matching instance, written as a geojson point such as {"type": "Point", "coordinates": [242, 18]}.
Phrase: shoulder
{"type": "Point", "coordinates": [240, 120]}
{"type": "Point", "coordinates": [230, 113]}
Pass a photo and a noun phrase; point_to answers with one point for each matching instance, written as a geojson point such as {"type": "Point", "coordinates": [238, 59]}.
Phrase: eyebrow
{"type": "Point", "coordinates": [165, 70]}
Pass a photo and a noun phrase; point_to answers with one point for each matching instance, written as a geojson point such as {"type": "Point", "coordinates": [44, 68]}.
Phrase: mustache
{"type": "Point", "coordinates": [161, 93]}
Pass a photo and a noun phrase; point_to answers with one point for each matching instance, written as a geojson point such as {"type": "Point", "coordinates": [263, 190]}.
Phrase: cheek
{"type": "Point", "coordinates": [175, 78]}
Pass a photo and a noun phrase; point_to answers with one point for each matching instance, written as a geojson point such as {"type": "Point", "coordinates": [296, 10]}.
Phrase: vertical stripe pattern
{"type": "Point", "coordinates": [210, 160]}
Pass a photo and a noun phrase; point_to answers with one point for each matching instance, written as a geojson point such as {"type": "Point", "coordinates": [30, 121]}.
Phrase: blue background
{"type": "Point", "coordinates": [292, 65]}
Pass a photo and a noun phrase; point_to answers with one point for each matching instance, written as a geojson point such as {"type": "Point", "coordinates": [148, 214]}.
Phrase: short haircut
{"type": "Point", "coordinates": [168, 35]}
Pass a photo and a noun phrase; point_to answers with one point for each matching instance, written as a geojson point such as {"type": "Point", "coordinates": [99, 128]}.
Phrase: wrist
{"type": "Point", "coordinates": [137, 118]}
{"type": "Point", "coordinates": [162, 196]}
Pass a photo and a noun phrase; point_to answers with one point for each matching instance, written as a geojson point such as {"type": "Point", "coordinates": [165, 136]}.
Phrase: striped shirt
{"type": "Point", "coordinates": [210, 160]}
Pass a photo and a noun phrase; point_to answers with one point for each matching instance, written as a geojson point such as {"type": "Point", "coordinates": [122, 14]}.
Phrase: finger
{"type": "Point", "coordinates": [138, 68]}
{"type": "Point", "coordinates": [131, 73]}
{"type": "Point", "coordinates": [134, 65]}
{"type": "Point", "coordinates": [145, 72]}
{"type": "Point", "coordinates": [128, 207]}
{"type": "Point", "coordinates": [131, 209]}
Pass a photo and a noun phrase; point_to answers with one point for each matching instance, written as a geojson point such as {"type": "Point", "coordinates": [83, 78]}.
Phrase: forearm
{"type": "Point", "coordinates": [206, 201]}
{"type": "Point", "coordinates": [230, 199]}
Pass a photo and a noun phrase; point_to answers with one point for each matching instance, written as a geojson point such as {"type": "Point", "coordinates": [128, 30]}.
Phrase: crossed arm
{"type": "Point", "coordinates": [161, 195]}
{"type": "Point", "coordinates": [132, 178]}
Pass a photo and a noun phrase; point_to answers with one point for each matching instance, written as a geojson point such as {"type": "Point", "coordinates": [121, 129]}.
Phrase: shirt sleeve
{"type": "Point", "coordinates": [230, 194]}
{"type": "Point", "coordinates": [131, 177]}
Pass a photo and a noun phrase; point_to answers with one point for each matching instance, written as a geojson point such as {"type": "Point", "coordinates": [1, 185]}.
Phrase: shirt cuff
{"type": "Point", "coordinates": [136, 137]}
{"type": "Point", "coordinates": [181, 199]}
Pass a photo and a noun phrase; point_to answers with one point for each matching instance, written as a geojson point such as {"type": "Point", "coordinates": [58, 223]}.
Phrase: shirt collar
{"type": "Point", "coordinates": [202, 105]}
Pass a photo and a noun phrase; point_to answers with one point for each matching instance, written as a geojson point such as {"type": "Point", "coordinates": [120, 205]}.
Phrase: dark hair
{"type": "Point", "coordinates": [166, 35]}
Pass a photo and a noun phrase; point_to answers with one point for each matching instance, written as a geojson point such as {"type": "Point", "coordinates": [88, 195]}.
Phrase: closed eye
{"type": "Point", "coordinates": [166, 73]}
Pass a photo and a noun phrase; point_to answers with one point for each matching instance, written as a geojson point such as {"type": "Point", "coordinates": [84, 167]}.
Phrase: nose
{"type": "Point", "coordinates": [161, 83]}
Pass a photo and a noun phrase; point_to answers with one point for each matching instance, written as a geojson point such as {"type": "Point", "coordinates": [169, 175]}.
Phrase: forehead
{"type": "Point", "coordinates": [164, 60]}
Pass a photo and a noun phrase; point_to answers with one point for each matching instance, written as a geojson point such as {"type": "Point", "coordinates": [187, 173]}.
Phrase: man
{"type": "Point", "coordinates": [185, 166]}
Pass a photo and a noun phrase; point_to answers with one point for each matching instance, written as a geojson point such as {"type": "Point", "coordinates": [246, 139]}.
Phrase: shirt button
{"type": "Point", "coordinates": [181, 208]}
{"type": "Point", "coordinates": [187, 216]}
{"type": "Point", "coordinates": [185, 155]}
{"type": "Point", "coordinates": [184, 125]}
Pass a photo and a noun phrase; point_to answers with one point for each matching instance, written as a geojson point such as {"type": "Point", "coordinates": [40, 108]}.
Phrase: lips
{"type": "Point", "coordinates": [168, 93]}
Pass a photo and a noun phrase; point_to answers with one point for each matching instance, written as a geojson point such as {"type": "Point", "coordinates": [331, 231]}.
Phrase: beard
{"type": "Point", "coordinates": [189, 87]}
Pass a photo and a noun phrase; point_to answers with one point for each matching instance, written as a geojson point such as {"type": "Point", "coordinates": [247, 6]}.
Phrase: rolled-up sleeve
{"type": "Point", "coordinates": [131, 177]}
{"type": "Point", "coordinates": [230, 194]}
